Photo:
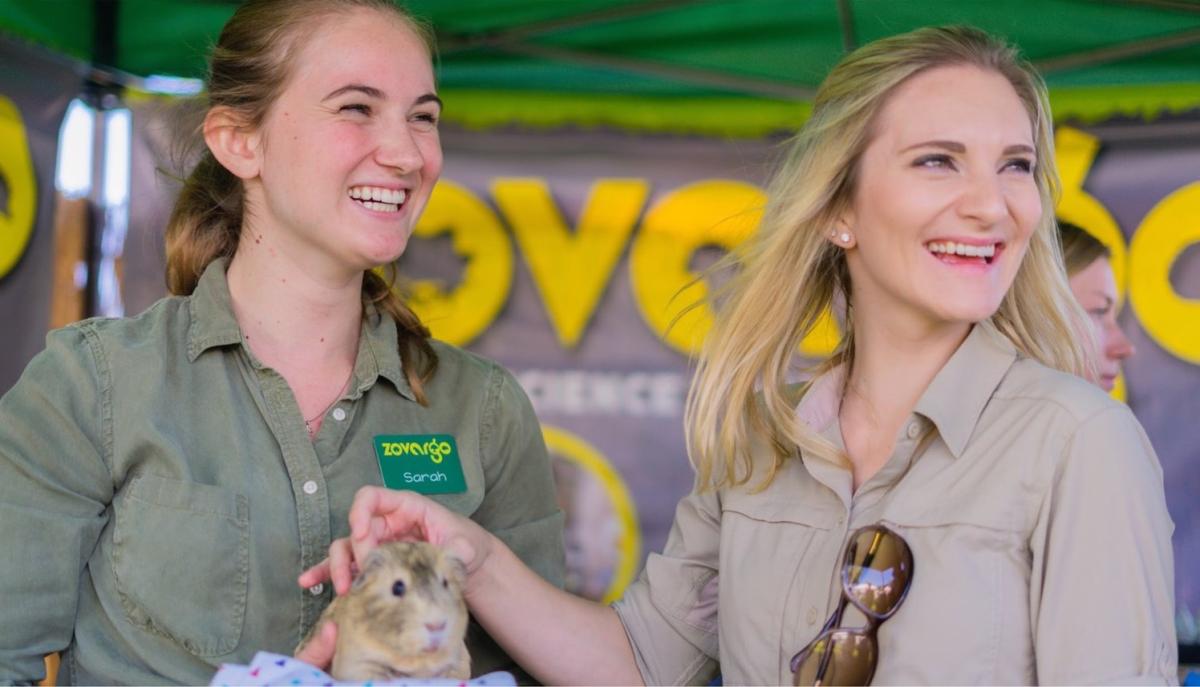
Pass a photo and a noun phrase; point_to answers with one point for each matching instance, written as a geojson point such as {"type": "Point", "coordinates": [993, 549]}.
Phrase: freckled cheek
{"type": "Point", "coordinates": [345, 142]}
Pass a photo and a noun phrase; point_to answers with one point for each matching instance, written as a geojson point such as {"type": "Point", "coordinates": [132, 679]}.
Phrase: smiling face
{"type": "Point", "coordinates": [349, 152]}
{"type": "Point", "coordinates": [1096, 290]}
{"type": "Point", "coordinates": [945, 202]}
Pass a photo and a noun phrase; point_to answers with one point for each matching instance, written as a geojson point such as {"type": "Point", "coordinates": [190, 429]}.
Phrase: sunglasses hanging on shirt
{"type": "Point", "coordinates": [876, 573]}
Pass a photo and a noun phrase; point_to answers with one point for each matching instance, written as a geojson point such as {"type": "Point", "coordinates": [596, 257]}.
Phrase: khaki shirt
{"type": "Point", "coordinates": [1036, 518]}
{"type": "Point", "coordinates": [159, 494]}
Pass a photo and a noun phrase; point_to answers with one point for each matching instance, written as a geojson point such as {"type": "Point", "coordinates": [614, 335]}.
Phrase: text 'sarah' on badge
{"type": "Point", "coordinates": [424, 463]}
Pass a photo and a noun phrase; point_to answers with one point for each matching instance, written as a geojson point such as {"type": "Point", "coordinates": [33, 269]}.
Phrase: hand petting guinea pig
{"type": "Point", "coordinates": [404, 616]}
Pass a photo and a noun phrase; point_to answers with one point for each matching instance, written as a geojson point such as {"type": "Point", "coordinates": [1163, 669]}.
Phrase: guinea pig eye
{"type": "Point", "coordinates": [445, 583]}
{"type": "Point", "coordinates": [398, 588]}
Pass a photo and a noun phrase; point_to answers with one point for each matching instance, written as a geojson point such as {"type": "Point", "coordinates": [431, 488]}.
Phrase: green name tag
{"type": "Point", "coordinates": [424, 463]}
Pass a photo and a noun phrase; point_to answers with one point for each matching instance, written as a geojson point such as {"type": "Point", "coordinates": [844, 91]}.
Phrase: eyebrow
{"type": "Point", "coordinates": [368, 91]}
{"type": "Point", "coordinates": [429, 98]}
{"type": "Point", "coordinates": [956, 147]}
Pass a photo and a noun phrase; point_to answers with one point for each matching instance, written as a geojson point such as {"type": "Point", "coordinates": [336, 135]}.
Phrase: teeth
{"type": "Point", "coordinates": [377, 194]}
{"type": "Point", "coordinates": [952, 248]}
{"type": "Point", "coordinates": [381, 207]}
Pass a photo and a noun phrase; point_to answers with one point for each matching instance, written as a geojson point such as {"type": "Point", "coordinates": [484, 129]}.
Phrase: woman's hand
{"type": "Point", "coordinates": [380, 515]}
{"type": "Point", "coordinates": [318, 650]}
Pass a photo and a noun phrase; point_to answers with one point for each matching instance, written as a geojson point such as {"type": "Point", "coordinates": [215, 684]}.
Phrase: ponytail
{"type": "Point", "coordinates": [417, 356]}
{"type": "Point", "coordinates": [204, 224]}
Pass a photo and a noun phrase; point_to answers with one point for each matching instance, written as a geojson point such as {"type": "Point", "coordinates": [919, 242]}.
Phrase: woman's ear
{"type": "Point", "coordinates": [233, 142]}
{"type": "Point", "coordinates": [840, 235]}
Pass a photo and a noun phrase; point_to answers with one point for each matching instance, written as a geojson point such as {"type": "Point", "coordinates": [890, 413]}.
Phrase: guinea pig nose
{"type": "Point", "coordinates": [435, 627]}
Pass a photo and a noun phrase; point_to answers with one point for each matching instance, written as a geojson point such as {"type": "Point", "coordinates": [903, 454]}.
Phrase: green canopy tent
{"type": "Point", "coordinates": [720, 67]}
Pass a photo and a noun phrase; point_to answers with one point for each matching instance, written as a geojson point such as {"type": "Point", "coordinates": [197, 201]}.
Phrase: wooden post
{"type": "Point", "coordinates": [72, 219]}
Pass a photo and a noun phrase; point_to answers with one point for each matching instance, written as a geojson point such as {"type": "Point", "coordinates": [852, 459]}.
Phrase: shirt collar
{"type": "Point", "coordinates": [962, 388]}
{"type": "Point", "coordinates": [379, 354]}
{"type": "Point", "coordinates": [213, 324]}
{"type": "Point", "coordinates": [953, 401]}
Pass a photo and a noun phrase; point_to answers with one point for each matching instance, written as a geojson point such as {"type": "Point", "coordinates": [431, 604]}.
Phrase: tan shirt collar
{"type": "Point", "coordinates": [953, 401]}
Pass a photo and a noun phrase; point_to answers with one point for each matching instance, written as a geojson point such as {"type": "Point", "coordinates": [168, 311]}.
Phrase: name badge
{"type": "Point", "coordinates": [424, 463]}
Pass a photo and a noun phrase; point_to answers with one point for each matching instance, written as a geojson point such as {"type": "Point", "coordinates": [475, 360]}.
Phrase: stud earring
{"type": "Point", "coordinates": [845, 237]}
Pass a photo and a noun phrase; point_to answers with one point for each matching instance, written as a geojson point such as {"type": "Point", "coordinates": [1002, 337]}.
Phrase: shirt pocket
{"type": "Point", "coordinates": [969, 597]}
{"type": "Point", "coordinates": [768, 560]}
{"type": "Point", "coordinates": [181, 561]}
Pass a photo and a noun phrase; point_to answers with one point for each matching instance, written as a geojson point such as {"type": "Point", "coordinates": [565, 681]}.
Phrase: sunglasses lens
{"type": "Point", "coordinates": [841, 657]}
{"type": "Point", "coordinates": [877, 571]}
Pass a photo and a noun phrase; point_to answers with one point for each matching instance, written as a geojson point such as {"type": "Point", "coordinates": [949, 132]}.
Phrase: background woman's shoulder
{"type": "Point", "coordinates": [1067, 396]}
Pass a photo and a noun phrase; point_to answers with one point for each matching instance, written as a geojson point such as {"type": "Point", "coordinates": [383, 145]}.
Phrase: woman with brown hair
{"type": "Point", "coordinates": [165, 478]}
{"type": "Point", "coordinates": [1090, 274]}
{"type": "Point", "coordinates": [944, 501]}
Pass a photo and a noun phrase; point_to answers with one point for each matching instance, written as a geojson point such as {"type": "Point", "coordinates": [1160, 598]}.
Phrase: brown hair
{"type": "Point", "coordinates": [1079, 248]}
{"type": "Point", "coordinates": [247, 69]}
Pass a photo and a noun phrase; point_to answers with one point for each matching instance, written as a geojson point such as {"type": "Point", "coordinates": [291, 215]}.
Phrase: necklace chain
{"type": "Point", "coordinates": [337, 397]}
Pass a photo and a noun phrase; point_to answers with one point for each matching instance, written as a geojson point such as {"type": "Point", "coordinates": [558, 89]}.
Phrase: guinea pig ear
{"type": "Point", "coordinates": [373, 562]}
{"type": "Point", "coordinates": [458, 569]}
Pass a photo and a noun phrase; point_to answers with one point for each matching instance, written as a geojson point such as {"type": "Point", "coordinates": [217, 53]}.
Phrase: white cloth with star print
{"type": "Point", "coordinates": [285, 671]}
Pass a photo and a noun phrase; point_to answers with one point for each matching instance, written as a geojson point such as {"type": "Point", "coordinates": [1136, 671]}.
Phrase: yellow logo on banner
{"type": "Point", "coordinates": [16, 174]}
{"type": "Point", "coordinates": [1168, 229]}
{"type": "Point", "coordinates": [569, 268]}
{"type": "Point", "coordinates": [1075, 151]}
{"type": "Point", "coordinates": [461, 314]}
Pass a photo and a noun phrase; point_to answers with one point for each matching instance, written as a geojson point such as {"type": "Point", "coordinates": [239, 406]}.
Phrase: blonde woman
{"type": "Point", "coordinates": [945, 501]}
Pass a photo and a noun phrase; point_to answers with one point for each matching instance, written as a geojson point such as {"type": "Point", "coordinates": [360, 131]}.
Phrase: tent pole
{"type": "Point", "coordinates": [457, 43]}
{"type": "Point", "coordinates": [846, 20]}
{"type": "Point", "coordinates": [730, 82]}
{"type": "Point", "coordinates": [1122, 51]}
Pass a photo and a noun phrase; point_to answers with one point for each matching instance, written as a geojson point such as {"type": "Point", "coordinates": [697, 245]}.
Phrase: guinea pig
{"type": "Point", "coordinates": [404, 616]}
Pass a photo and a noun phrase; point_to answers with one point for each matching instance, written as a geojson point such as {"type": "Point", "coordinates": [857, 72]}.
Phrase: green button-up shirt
{"type": "Point", "coordinates": [159, 494]}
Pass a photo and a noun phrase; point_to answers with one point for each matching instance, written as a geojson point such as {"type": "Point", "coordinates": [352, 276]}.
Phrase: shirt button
{"type": "Point", "coordinates": [316, 589]}
{"type": "Point", "coordinates": [310, 487]}
{"type": "Point", "coordinates": [914, 429]}
{"type": "Point", "coordinates": [339, 414]}
{"type": "Point", "coordinates": [811, 616]}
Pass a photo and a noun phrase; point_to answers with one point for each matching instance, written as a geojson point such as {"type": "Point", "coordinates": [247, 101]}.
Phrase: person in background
{"type": "Point", "coordinates": [164, 478]}
{"type": "Point", "coordinates": [945, 501]}
{"type": "Point", "coordinates": [1090, 274]}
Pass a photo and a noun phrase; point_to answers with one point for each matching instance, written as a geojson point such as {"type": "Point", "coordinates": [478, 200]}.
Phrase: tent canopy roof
{"type": "Point", "coordinates": [678, 65]}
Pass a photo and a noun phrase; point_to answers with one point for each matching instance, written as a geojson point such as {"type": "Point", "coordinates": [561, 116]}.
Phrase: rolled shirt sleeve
{"type": "Point", "coordinates": [670, 612]}
{"type": "Point", "coordinates": [55, 488]}
{"type": "Point", "coordinates": [1103, 582]}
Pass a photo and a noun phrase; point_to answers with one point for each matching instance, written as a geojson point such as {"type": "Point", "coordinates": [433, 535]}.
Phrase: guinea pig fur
{"type": "Point", "coordinates": [404, 616]}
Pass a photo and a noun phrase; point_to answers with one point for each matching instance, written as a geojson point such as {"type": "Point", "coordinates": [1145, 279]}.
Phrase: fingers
{"type": "Point", "coordinates": [320, 647]}
{"type": "Point", "coordinates": [386, 514]}
{"type": "Point", "coordinates": [315, 575]}
{"type": "Point", "coordinates": [462, 550]}
{"type": "Point", "coordinates": [341, 565]}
